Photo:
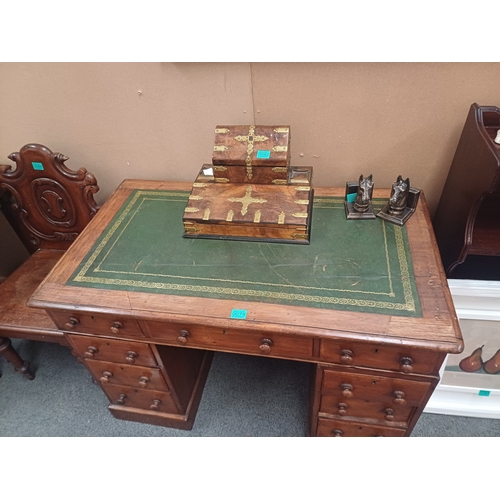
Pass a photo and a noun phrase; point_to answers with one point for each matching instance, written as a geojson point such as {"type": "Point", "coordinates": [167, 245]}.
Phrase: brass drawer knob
{"type": "Point", "coordinates": [117, 326]}
{"type": "Point", "coordinates": [337, 433]}
{"type": "Point", "coordinates": [131, 356]}
{"type": "Point", "coordinates": [72, 322]}
{"type": "Point", "coordinates": [90, 352]}
{"type": "Point", "coordinates": [183, 337]}
{"type": "Point", "coordinates": [399, 398]}
{"type": "Point", "coordinates": [156, 405]}
{"type": "Point", "coordinates": [265, 345]}
{"type": "Point", "coordinates": [105, 377]}
{"type": "Point", "coordinates": [121, 399]}
{"type": "Point", "coordinates": [406, 364]}
{"type": "Point", "coordinates": [346, 390]}
{"type": "Point", "coordinates": [143, 382]}
{"type": "Point", "coordinates": [389, 414]}
{"type": "Point", "coordinates": [342, 408]}
{"type": "Point", "coordinates": [346, 356]}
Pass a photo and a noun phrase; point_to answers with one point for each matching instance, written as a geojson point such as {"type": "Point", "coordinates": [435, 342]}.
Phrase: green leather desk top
{"type": "Point", "coordinates": [355, 265]}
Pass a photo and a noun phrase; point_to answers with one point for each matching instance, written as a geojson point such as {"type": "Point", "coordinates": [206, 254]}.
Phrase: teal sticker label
{"type": "Point", "coordinates": [238, 314]}
{"type": "Point", "coordinates": [264, 154]}
{"type": "Point", "coordinates": [483, 393]}
{"type": "Point", "coordinates": [351, 197]}
{"type": "Point", "coordinates": [37, 165]}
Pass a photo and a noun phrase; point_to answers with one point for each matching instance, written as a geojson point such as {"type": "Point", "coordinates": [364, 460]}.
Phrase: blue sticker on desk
{"type": "Point", "coordinates": [238, 314]}
{"type": "Point", "coordinates": [37, 165]}
{"type": "Point", "coordinates": [351, 197]}
{"type": "Point", "coordinates": [483, 393]}
{"type": "Point", "coordinates": [264, 154]}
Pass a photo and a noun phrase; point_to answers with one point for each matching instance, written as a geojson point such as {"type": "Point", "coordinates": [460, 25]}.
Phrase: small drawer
{"type": "Point", "coordinates": [140, 377]}
{"type": "Point", "coordinates": [140, 398]}
{"type": "Point", "coordinates": [116, 351]}
{"type": "Point", "coordinates": [360, 408]}
{"type": "Point", "coordinates": [231, 340]}
{"type": "Point", "coordinates": [338, 428]}
{"type": "Point", "coordinates": [390, 390]}
{"type": "Point", "coordinates": [397, 358]}
{"type": "Point", "coordinates": [97, 324]}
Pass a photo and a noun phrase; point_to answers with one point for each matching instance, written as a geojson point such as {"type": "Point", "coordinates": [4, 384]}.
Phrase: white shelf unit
{"type": "Point", "coordinates": [471, 394]}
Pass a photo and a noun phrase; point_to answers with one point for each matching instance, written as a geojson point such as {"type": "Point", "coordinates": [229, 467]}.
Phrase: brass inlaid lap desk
{"type": "Point", "coordinates": [366, 304]}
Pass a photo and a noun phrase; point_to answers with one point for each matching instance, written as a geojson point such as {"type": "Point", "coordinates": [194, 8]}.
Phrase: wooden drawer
{"type": "Point", "coordinates": [97, 324]}
{"type": "Point", "coordinates": [338, 428]}
{"type": "Point", "coordinates": [231, 340]}
{"type": "Point", "coordinates": [360, 408]}
{"type": "Point", "coordinates": [128, 397]}
{"type": "Point", "coordinates": [116, 351]}
{"type": "Point", "coordinates": [393, 391]}
{"type": "Point", "coordinates": [398, 358]}
{"type": "Point", "coordinates": [140, 377]}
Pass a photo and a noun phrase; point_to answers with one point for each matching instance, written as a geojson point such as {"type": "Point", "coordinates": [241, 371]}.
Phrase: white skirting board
{"type": "Point", "coordinates": [477, 304]}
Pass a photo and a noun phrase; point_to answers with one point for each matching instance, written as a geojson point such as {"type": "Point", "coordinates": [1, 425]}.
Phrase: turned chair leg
{"type": "Point", "coordinates": [8, 352]}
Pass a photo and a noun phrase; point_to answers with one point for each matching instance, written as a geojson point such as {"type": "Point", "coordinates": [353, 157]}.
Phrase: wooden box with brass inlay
{"type": "Point", "coordinates": [252, 145]}
{"type": "Point", "coordinates": [256, 212]}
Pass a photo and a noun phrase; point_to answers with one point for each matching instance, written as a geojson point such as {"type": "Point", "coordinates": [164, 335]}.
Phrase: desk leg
{"type": "Point", "coordinates": [8, 352]}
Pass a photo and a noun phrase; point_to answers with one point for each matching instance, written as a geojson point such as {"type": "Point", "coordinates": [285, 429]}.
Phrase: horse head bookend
{"type": "Point", "coordinates": [402, 202]}
{"type": "Point", "coordinates": [358, 198]}
{"type": "Point", "coordinates": [364, 193]}
{"type": "Point", "coordinates": [399, 196]}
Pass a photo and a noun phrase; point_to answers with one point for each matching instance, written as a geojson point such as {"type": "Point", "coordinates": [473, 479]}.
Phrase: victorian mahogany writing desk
{"type": "Point", "coordinates": [366, 304]}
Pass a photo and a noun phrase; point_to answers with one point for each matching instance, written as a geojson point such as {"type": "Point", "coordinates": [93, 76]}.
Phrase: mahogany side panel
{"type": "Point", "coordinates": [473, 178]}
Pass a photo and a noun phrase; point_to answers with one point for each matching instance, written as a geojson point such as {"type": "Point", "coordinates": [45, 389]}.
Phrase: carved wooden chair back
{"type": "Point", "coordinates": [46, 203]}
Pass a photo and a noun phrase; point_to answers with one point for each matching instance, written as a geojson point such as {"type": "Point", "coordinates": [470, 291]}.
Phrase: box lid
{"type": "Point", "coordinates": [249, 203]}
{"type": "Point", "coordinates": [252, 145]}
{"type": "Point", "coordinates": [256, 212]}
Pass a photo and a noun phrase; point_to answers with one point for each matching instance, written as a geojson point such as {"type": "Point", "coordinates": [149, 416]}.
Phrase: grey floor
{"type": "Point", "coordinates": [244, 396]}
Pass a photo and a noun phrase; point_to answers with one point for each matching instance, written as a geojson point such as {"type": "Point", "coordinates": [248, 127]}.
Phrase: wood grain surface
{"type": "Point", "coordinates": [437, 329]}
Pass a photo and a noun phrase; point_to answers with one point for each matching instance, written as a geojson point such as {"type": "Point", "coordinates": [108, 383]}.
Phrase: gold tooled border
{"type": "Point", "coordinates": [407, 305]}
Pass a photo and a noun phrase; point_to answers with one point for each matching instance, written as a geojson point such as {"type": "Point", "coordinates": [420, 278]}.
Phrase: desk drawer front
{"type": "Point", "coordinates": [338, 428]}
{"type": "Point", "coordinates": [393, 391]}
{"type": "Point", "coordinates": [401, 359]}
{"type": "Point", "coordinates": [97, 324]}
{"type": "Point", "coordinates": [360, 408]}
{"type": "Point", "coordinates": [231, 340]}
{"type": "Point", "coordinates": [116, 351]}
{"type": "Point", "coordinates": [140, 377]}
{"type": "Point", "coordinates": [140, 398]}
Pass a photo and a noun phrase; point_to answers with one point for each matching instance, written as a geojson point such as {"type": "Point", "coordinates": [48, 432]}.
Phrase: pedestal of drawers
{"type": "Point", "coordinates": [159, 385]}
{"type": "Point", "coordinates": [354, 401]}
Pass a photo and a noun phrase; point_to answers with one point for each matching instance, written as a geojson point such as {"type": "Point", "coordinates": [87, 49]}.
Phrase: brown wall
{"type": "Point", "coordinates": [156, 120]}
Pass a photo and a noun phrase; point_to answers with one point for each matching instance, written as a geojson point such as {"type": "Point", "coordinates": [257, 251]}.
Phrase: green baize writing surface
{"type": "Point", "coordinates": [356, 265]}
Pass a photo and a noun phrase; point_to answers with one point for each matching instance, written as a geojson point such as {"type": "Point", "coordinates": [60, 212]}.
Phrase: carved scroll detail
{"type": "Point", "coordinates": [45, 200]}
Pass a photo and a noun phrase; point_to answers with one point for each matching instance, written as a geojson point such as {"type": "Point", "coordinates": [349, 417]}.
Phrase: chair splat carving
{"type": "Point", "coordinates": [47, 204]}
